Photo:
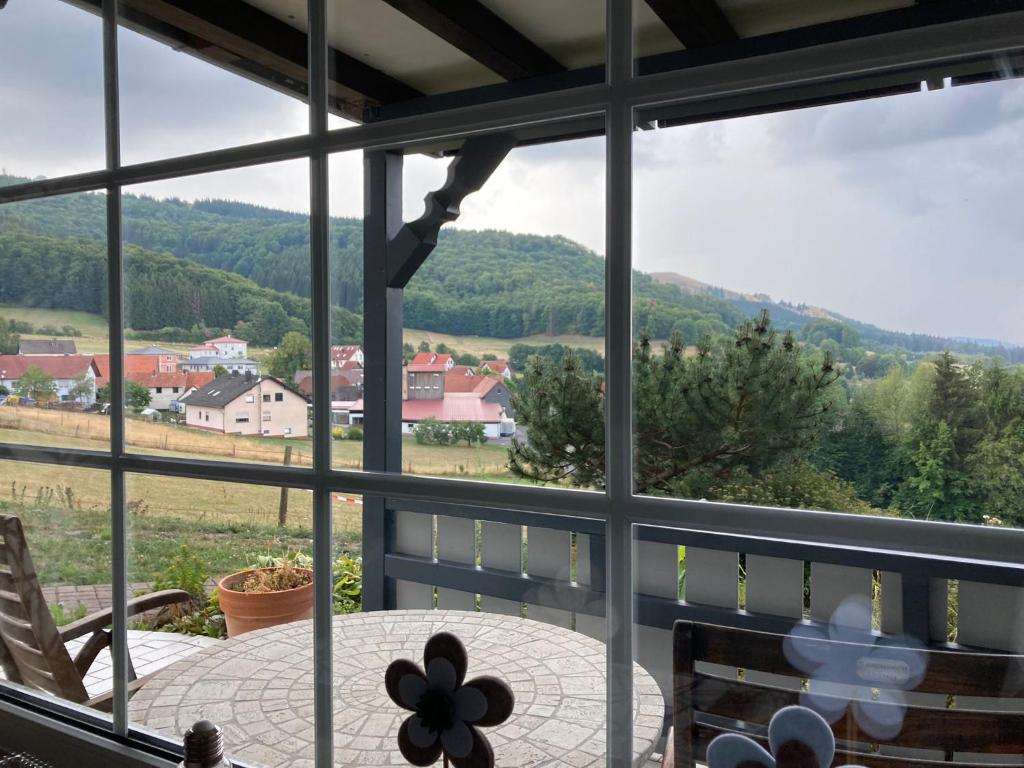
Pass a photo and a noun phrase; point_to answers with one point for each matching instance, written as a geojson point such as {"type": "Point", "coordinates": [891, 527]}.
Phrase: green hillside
{"type": "Point", "coordinates": [220, 263]}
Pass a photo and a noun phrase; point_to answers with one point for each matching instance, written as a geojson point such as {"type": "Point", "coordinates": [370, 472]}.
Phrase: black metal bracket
{"type": "Point", "coordinates": [467, 172]}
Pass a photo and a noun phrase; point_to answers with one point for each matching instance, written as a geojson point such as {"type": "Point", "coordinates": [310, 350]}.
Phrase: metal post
{"type": "Point", "coordinates": [382, 342]}
{"type": "Point", "coordinates": [618, 404]}
{"type": "Point", "coordinates": [115, 315]}
{"type": "Point", "coordinates": [320, 294]}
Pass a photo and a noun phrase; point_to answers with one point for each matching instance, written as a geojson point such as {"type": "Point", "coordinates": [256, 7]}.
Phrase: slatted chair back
{"type": "Point", "coordinates": [730, 697]}
{"type": "Point", "coordinates": [31, 650]}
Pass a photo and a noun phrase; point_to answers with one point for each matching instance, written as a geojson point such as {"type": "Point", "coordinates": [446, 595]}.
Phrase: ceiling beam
{"type": "Point", "coordinates": [481, 34]}
{"type": "Point", "coordinates": [243, 37]}
{"type": "Point", "coordinates": [696, 23]}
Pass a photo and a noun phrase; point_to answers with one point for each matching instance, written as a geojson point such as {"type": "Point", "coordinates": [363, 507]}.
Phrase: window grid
{"type": "Point", "coordinates": [703, 90]}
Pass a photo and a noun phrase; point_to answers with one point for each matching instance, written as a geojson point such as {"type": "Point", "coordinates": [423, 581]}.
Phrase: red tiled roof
{"type": "Point", "coordinates": [429, 362]}
{"type": "Point", "coordinates": [496, 365]}
{"type": "Point", "coordinates": [451, 409]}
{"type": "Point", "coordinates": [477, 385]}
{"type": "Point", "coordinates": [57, 366]}
{"type": "Point", "coordinates": [305, 384]}
{"type": "Point", "coordinates": [226, 340]}
{"type": "Point", "coordinates": [204, 347]}
{"type": "Point", "coordinates": [185, 381]}
{"type": "Point", "coordinates": [344, 353]}
{"type": "Point", "coordinates": [140, 365]}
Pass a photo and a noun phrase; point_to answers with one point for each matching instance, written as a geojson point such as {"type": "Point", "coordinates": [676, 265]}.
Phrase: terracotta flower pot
{"type": "Point", "coordinates": [246, 611]}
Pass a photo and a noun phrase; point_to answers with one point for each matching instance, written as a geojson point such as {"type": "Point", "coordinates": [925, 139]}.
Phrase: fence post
{"type": "Point", "coordinates": [282, 510]}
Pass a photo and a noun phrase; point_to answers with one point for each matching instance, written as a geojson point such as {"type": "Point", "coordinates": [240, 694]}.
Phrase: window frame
{"type": "Point", "coordinates": [755, 82]}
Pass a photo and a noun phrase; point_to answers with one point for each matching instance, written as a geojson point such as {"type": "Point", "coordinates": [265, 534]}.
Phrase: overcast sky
{"type": "Point", "coordinates": [902, 211]}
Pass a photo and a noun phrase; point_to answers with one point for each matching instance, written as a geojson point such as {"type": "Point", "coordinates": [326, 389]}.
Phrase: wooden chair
{"type": "Point", "coordinates": [32, 650]}
{"type": "Point", "coordinates": [708, 702]}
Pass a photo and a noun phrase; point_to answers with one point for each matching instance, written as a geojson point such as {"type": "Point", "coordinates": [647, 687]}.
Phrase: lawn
{"type": "Point", "coordinates": [39, 426]}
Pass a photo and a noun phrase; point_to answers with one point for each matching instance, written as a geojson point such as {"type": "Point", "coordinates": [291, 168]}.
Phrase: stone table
{"type": "Point", "coordinates": [259, 689]}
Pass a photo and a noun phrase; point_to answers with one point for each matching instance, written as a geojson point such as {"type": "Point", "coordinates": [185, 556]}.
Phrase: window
{"type": "Point", "coordinates": [159, 390]}
{"type": "Point", "coordinates": [551, 264]}
{"type": "Point", "coordinates": [175, 390]}
{"type": "Point", "coordinates": [266, 415]}
{"type": "Point", "coordinates": [266, 398]}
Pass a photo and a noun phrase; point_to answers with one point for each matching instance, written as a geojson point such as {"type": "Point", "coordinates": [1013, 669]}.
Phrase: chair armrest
{"type": "Point", "coordinates": [97, 621]}
{"type": "Point", "coordinates": [669, 759]}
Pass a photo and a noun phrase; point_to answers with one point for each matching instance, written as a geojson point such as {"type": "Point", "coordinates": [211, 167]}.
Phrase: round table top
{"type": "Point", "coordinates": [259, 689]}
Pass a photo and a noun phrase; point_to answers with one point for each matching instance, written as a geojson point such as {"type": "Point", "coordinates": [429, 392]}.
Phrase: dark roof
{"type": "Point", "coordinates": [222, 390]}
{"type": "Point", "coordinates": [47, 347]}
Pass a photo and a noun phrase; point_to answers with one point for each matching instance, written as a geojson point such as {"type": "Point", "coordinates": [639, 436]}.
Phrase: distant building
{"type": "Point", "coordinates": [490, 389]}
{"type": "Point", "coordinates": [47, 347]}
{"type": "Point", "coordinates": [425, 376]}
{"type": "Point", "coordinates": [166, 359]}
{"type": "Point", "coordinates": [342, 387]}
{"type": "Point", "coordinates": [135, 364]}
{"type": "Point", "coordinates": [65, 370]}
{"type": "Point", "coordinates": [248, 405]}
{"type": "Point", "coordinates": [203, 350]}
{"type": "Point", "coordinates": [166, 390]}
{"type": "Point", "coordinates": [229, 346]}
{"type": "Point", "coordinates": [491, 415]}
{"type": "Point", "coordinates": [497, 366]}
{"type": "Point", "coordinates": [340, 355]}
{"type": "Point", "coordinates": [208, 363]}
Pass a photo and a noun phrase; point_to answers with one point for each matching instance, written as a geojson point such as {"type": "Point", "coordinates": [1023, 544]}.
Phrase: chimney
{"type": "Point", "coordinates": [248, 375]}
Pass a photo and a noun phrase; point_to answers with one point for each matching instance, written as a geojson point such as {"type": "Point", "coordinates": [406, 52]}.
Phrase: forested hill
{"type": "Point", "coordinates": [487, 283]}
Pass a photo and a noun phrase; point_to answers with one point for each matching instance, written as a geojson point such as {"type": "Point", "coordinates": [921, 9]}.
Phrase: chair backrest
{"type": "Point", "coordinates": [31, 650]}
{"type": "Point", "coordinates": [733, 680]}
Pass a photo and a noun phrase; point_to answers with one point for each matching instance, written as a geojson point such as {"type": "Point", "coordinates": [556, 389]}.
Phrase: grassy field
{"type": "Point", "coordinates": [37, 426]}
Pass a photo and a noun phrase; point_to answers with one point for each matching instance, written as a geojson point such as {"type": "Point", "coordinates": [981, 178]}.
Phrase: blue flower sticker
{"type": "Point", "coordinates": [845, 674]}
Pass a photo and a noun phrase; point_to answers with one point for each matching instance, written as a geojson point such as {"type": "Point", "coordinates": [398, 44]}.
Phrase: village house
{"type": "Point", "coordinates": [65, 370]}
{"type": "Point", "coordinates": [246, 404]}
{"type": "Point", "coordinates": [497, 366]}
{"type": "Point", "coordinates": [166, 359]}
{"type": "Point", "coordinates": [229, 346]}
{"type": "Point", "coordinates": [342, 386]}
{"type": "Point", "coordinates": [203, 350]}
{"type": "Point", "coordinates": [425, 376]}
{"type": "Point", "coordinates": [166, 390]}
{"type": "Point", "coordinates": [345, 356]}
{"type": "Point", "coordinates": [135, 364]}
{"type": "Point", "coordinates": [206, 363]}
{"type": "Point", "coordinates": [47, 347]}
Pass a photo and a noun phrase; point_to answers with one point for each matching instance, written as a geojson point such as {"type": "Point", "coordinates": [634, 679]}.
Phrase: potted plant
{"type": "Point", "coordinates": [274, 591]}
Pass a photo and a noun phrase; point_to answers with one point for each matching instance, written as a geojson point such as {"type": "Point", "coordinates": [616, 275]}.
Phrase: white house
{"type": "Point", "coordinates": [65, 370]}
{"type": "Point", "coordinates": [229, 346]}
{"type": "Point", "coordinates": [248, 405]}
{"type": "Point", "coordinates": [166, 390]}
{"type": "Point", "coordinates": [208, 363]}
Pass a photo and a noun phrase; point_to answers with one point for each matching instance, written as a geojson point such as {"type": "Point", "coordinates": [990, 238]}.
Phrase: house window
{"type": "Point", "coordinates": [174, 390]}
{"type": "Point", "coordinates": [207, 416]}
{"type": "Point", "coordinates": [242, 417]}
{"type": "Point", "coordinates": [266, 415]}
{"type": "Point", "coordinates": [279, 397]}
{"type": "Point", "coordinates": [287, 430]}
{"type": "Point", "coordinates": [250, 398]}
{"type": "Point", "coordinates": [159, 390]}
{"type": "Point", "coordinates": [266, 398]}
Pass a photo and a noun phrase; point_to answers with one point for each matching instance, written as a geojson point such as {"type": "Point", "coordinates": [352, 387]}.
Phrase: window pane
{"type": "Point", "coordinates": [56, 539]}
{"type": "Point", "coordinates": [217, 299]}
{"type": "Point", "coordinates": [53, 321]}
{"type": "Point", "coordinates": [52, 122]}
{"type": "Point", "coordinates": [240, 658]}
{"type": "Point", "coordinates": [509, 301]}
{"type": "Point", "coordinates": [849, 347]}
{"type": "Point", "coordinates": [192, 81]}
{"type": "Point", "coordinates": [734, 630]}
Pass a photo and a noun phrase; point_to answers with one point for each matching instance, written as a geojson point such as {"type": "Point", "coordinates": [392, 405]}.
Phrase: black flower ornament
{"type": "Point", "coordinates": [447, 713]}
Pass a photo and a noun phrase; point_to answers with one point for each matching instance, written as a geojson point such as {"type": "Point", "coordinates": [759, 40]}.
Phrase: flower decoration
{"type": "Point", "coordinates": [849, 668]}
{"type": "Point", "coordinates": [447, 713]}
{"type": "Point", "coordinates": [798, 738]}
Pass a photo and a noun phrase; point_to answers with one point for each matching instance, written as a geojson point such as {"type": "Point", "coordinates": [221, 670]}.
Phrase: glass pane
{"type": "Point", "coordinates": [347, 358]}
{"type": "Point", "coordinates": [728, 637]}
{"type": "Point", "coordinates": [392, 59]}
{"type": "Point", "coordinates": [216, 296]}
{"type": "Point", "coordinates": [52, 96]}
{"type": "Point", "coordinates": [57, 551]}
{"type": "Point", "coordinates": [202, 79]}
{"type": "Point", "coordinates": [524, 596]}
{"type": "Point", "coordinates": [502, 311]}
{"type": "Point", "coordinates": [238, 648]}
{"type": "Point", "coordinates": [53, 321]}
{"type": "Point", "coordinates": [799, 361]}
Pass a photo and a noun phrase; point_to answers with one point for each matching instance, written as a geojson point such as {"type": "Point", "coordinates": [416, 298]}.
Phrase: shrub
{"type": "Point", "coordinates": [355, 433]}
{"type": "Point", "coordinates": [348, 584]}
{"type": "Point", "coordinates": [338, 433]}
{"type": "Point", "coordinates": [185, 571]}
